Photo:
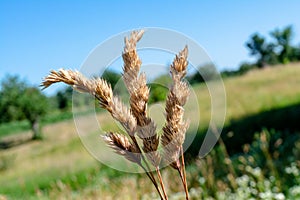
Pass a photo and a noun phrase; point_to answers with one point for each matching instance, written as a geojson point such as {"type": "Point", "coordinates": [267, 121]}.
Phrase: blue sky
{"type": "Point", "coordinates": [36, 36]}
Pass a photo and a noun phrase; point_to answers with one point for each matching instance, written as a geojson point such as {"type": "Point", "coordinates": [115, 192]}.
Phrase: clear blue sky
{"type": "Point", "coordinates": [36, 36]}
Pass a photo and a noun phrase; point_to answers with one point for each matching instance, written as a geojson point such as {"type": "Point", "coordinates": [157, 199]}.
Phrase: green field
{"type": "Point", "coordinates": [59, 167]}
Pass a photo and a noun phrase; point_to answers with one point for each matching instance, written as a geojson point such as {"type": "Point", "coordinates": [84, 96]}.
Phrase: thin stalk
{"type": "Point", "coordinates": [140, 151]}
{"type": "Point", "coordinates": [148, 170]}
{"type": "Point", "coordinates": [182, 180]}
{"type": "Point", "coordinates": [161, 182]}
{"type": "Point", "coordinates": [181, 176]}
{"type": "Point", "coordinates": [153, 181]}
{"type": "Point", "coordinates": [184, 174]}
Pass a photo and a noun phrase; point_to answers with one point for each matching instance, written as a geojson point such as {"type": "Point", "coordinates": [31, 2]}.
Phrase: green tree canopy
{"type": "Point", "coordinates": [263, 50]}
{"type": "Point", "coordinates": [64, 98]}
{"type": "Point", "coordinates": [280, 50]}
{"type": "Point", "coordinates": [283, 40]}
{"type": "Point", "coordinates": [19, 101]}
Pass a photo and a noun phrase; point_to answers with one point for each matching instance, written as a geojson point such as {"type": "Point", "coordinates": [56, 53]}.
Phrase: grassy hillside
{"type": "Point", "coordinates": [60, 167]}
{"type": "Point", "coordinates": [257, 91]}
{"type": "Point", "coordinates": [262, 98]}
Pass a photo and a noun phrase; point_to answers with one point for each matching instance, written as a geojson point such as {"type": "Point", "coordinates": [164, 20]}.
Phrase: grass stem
{"type": "Point", "coordinates": [161, 183]}
{"type": "Point", "coordinates": [183, 176]}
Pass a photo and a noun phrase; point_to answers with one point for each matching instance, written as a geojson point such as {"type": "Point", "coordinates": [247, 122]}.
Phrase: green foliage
{"type": "Point", "coordinates": [295, 53]}
{"type": "Point", "coordinates": [271, 53]}
{"type": "Point", "coordinates": [64, 98]}
{"type": "Point", "coordinates": [158, 93]}
{"type": "Point", "coordinates": [20, 101]}
{"type": "Point", "coordinates": [272, 152]}
{"type": "Point", "coordinates": [159, 88]}
{"type": "Point", "coordinates": [33, 104]}
{"type": "Point", "coordinates": [280, 50]}
{"type": "Point", "coordinates": [244, 68]}
{"type": "Point", "coordinates": [283, 43]}
{"type": "Point", "coordinates": [262, 50]}
{"type": "Point", "coordinates": [11, 90]}
{"type": "Point", "coordinates": [63, 101]}
{"type": "Point", "coordinates": [206, 72]}
{"type": "Point", "coordinates": [267, 168]}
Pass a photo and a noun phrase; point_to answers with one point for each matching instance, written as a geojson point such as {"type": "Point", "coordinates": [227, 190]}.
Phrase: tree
{"type": "Point", "coordinates": [264, 51]}
{"type": "Point", "coordinates": [245, 67]}
{"type": "Point", "coordinates": [64, 98]}
{"type": "Point", "coordinates": [283, 40]}
{"type": "Point", "coordinates": [295, 53]}
{"type": "Point", "coordinates": [206, 72]}
{"type": "Point", "coordinates": [19, 101]}
{"type": "Point", "coordinates": [11, 88]}
{"type": "Point", "coordinates": [33, 104]}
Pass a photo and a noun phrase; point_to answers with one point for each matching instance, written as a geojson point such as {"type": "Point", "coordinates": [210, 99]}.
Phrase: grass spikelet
{"type": "Point", "coordinates": [123, 115]}
{"type": "Point", "coordinates": [122, 146]}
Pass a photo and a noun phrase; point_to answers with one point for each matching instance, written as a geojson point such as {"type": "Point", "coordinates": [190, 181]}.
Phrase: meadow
{"type": "Point", "coordinates": [258, 156]}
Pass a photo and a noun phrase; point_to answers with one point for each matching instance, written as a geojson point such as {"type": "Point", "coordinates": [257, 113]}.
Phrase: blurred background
{"type": "Point", "coordinates": [253, 45]}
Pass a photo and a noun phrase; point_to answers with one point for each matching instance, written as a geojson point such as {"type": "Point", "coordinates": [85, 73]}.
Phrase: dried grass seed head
{"type": "Point", "coordinates": [131, 60]}
{"type": "Point", "coordinates": [122, 146]}
{"type": "Point", "coordinates": [178, 67]}
{"type": "Point", "coordinates": [135, 36]}
{"type": "Point", "coordinates": [98, 88]}
{"type": "Point", "coordinates": [182, 92]}
{"type": "Point", "coordinates": [123, 115]}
